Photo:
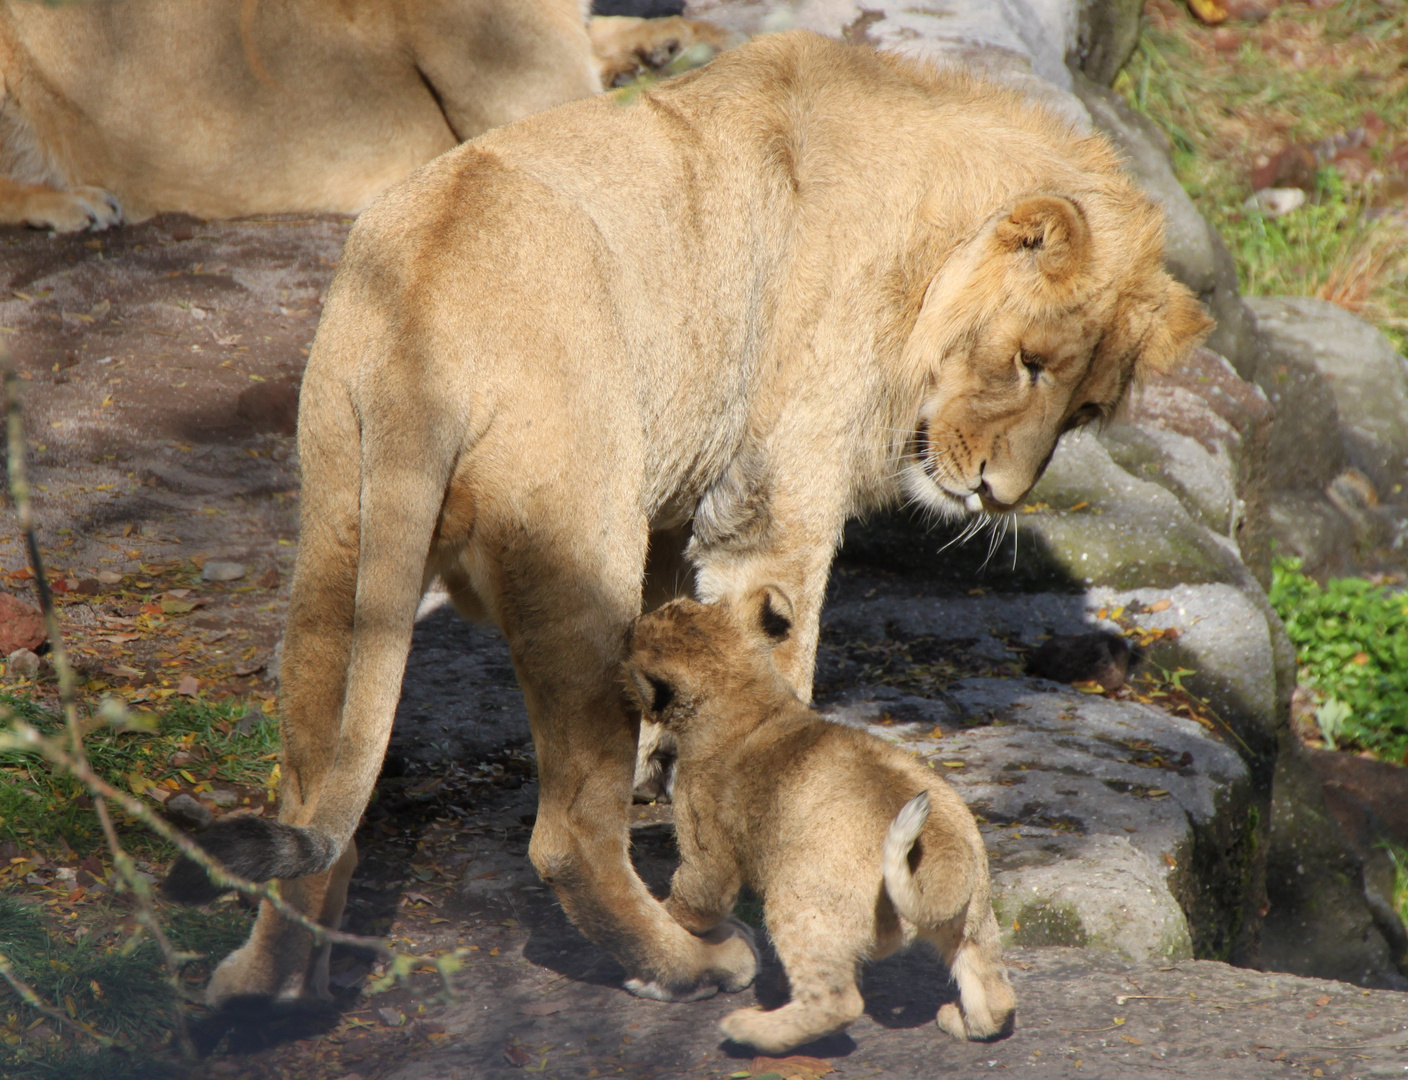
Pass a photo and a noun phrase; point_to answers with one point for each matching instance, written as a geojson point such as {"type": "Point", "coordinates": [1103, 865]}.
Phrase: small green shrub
{"type": "Point", "coordinates": [1351, 639]}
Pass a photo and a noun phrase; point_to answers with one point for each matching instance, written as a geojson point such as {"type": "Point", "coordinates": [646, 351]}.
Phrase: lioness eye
{"type": "Point", "coordinates": [1032, 363]}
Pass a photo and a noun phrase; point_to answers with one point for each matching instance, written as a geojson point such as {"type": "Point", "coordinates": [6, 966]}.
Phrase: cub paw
{"type": "Point", "coordinates": [735, 959]}
{"type": "Point", "coordinates": [748, 1027]}
{"type": "Point", "coordinates": [82, 208]}
{"type": "Point", "coordinates": [950, 1019]}
{"type": "Point", "coordinates": [656, 991]}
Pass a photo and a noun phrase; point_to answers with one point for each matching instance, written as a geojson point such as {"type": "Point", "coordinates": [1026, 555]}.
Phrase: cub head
{"type": "Point", "coordinates": [1036, 325]}
{"type": "Point", "coordinates": [686, 659]}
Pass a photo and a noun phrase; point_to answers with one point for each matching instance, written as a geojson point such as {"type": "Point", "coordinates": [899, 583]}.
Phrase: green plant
{"type": "Point", "coordinates": [40, 808]}
{"type": "Point", "coordinates": [1351, 639]}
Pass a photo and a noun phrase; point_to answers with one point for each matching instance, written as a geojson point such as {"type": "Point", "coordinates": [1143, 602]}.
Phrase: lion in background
{"type": "Point", "coordinates": [881, 281]}
{"type": "Point", "coordinates": [117, 110]}
{"type": "Point", "coordinates": [856, 848]}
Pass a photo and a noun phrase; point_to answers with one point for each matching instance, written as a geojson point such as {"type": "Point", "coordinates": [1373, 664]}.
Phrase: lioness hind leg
{"type": "Point", "coordinates": [279, 960]}
{"type": "Point", "coordinates": [63, 211]}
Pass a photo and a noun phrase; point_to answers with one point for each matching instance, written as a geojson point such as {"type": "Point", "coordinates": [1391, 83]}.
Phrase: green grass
{"type": "Point", "coordinates": [1221, 110]}
{"type": "Point", "coordinates": [1351, 640]}
{"type": "Point", "coordinates": [115, 983]}
{"type": "Point", "coordinates": [42, 809]}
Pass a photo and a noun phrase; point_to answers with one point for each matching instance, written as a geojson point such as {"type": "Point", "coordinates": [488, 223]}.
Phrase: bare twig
{"type": "Point", "coordinates": [74, 761]}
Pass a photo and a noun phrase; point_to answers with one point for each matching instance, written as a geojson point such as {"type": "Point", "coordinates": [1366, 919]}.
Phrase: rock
{"type": "Point", "coordinates": [22, 662]}
{"type": "Point", "coordinates": [1276, 201]}
{"type": "Point", "coordinates": [222, 571]}
{"type": "Point", "coordinates": [1107, 33]}
{"type": "Point", "coordinates": [185, 811]}
{"type": "Point", "coordinates": [21, 625]}
{"type": "Point", "coordinates": [270, 406]}
{"type": "Point", "coordinates": [1076, 788]}
{"type": "Point", "coordinates": [1098, 525]}
{"type": "Point", "coordinates": [222, 797]}
{"type": "Point", "coordinates": [1319, 920]}
{"type": "Point", "coordinates": [1365, 375]}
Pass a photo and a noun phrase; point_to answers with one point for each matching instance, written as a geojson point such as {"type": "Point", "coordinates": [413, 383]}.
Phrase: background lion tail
{"type": "Point", "coordinates": [252, 848]}
{"type": "Point", "coordinates": [946, 895]}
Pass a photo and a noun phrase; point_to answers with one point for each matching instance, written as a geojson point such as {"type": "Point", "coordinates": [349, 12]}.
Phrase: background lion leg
{"type": "Point", "coordinates": [626, 46]}
{"type": "Point", "coordinates": [63, 211]}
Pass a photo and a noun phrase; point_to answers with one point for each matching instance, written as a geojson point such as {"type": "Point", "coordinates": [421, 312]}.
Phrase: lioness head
{"type": "Point", "coordinates": [1036, 325]}
{"type": "Point", "coordinates": [685, 656]}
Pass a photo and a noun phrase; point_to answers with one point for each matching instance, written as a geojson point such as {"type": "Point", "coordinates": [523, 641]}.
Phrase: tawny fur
{"type": "Point", "coordinates": [224, 108]}
{"type": "Point", "coordinates": [855, 847]}
{"type": "Point", "coordinates": [671, 340]}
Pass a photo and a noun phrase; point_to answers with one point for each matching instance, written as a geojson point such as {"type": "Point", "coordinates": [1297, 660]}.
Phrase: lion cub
{"type": "Point", "coordinates": [856, 848]}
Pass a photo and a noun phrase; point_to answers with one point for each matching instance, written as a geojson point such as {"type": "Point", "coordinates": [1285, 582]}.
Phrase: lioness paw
{"type": "Point", "coordinates": [82, 208]}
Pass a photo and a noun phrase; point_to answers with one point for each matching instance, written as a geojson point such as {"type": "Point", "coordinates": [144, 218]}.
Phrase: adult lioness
{"type": "Point", "coordinates": [223, 108]}
{"type": "Point", "coordinates": [833, 280]}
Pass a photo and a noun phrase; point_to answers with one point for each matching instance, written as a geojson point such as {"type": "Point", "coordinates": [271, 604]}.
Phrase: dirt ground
{"type": "Point", "coordinates": [159, 365]}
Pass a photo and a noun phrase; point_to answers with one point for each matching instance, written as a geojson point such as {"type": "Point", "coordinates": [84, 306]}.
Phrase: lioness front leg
{"type": "Point", "coordinates": [566, 639]}
{"type": "Point", "coordinates": [63, 211]}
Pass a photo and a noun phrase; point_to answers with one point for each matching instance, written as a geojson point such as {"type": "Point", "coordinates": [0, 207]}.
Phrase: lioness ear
{"type": "Point", "coordinates": [774, 613]}
{"type": "Point", "coordinates": [1051, 232]}
{"type": "Point", "coordinates": [1182, 325]}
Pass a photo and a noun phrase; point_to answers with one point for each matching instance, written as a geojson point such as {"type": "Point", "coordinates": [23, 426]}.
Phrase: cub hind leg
{"type": "Point", "coordinates": [986, 1006]}
{"type": "Point", "coordinates": [825, 998]}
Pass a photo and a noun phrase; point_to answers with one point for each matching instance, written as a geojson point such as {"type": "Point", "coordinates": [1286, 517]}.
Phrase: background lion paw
{"type": "Point", "coordinates": [72, 211]}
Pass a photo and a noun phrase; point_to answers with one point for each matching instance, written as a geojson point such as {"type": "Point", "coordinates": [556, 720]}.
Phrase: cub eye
{"type": "Point", "coordinates": [1032, 363]}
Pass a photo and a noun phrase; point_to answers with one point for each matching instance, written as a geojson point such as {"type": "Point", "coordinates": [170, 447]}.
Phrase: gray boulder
{"type": "Point", "coordinates": [1364, 375]}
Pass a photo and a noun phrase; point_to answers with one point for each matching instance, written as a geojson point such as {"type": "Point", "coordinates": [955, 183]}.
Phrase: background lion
{"type": "Point", "coordinates": [883, 282]}
{"type": "Point", "coordinates": [224, 108]}
{"type": "Point", "coordinates": [856, 848]}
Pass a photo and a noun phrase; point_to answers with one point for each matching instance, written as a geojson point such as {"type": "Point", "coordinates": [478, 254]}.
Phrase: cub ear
{"type": "Point", "coordinates": [1051, 232]}
{"type": "Point", "coordinates": [772, 612]}
{"type": "Point", "coordinates": [652, 693]}
{"type": "Point", "coordinates": [1177, 329]}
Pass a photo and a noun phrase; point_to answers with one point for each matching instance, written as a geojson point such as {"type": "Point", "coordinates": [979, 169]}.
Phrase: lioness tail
{"type": "Point", "coordinates": [252, 848]}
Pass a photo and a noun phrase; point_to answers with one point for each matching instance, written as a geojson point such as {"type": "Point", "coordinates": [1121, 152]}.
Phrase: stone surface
{"type": "Point", "coordinates": [1318, 919]}
{"type": "Point", "coordinates": [1083, 853]}
{"type": "Point", "coordinates": [1363, 372]}
{"type": "Point", "coordinates": [22, 662]}
{"type": "Point", "coordinates": [222, 571]}
{"type": "Point", "coordinates": [185, 811]}
{"type": "Point", "coordinates": [21, 625]}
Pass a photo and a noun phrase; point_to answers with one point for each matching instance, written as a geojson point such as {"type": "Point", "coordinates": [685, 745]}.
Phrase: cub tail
{"type": "Point", "coordinates": [251, 848]}
{"type": "Point", "coordinates": [946, 896]}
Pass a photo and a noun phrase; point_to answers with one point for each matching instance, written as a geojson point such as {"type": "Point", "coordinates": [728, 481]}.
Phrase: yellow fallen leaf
{"type": "Point", "coordinates": [1160, 605]}
{"type": "Point", "coordinates": [953, 764]}
{"type": "Point", "coordinates": [1209, 11]}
